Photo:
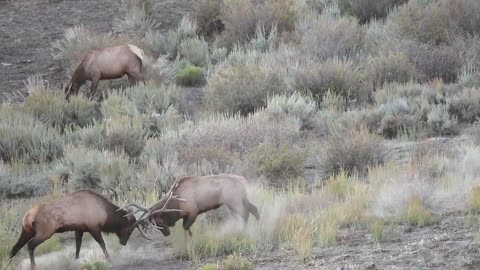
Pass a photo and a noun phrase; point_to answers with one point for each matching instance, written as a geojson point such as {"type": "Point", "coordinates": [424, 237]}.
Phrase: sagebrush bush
{"type": "Point", "coordinates": [465, 106]}
{"type": "Point", "coordinates": [390, 67]}
{"type": "Point", "coordinates": [160, 70]}
{"type": "Point", "coordinates": [241, 87]}
{"type": "Point", "coordinates": [22, 138]}
{"type": "Point", "coordinates": [262, 41]}
{"type": "Point", "coordinates": [296, 105]}
{"type": "Point", "coordinates": [423, 21]}
{"type": "Point", "coordinates": [208, 16]}
{"type": "Point", "coordinates": [51, 108]}
{"type": "Point", "coordinates": [125, 134]}
{"type": "Point", "coordinates": [325, 36]}
{"type": "Point", "coordinates": [441, 122]}
{"type": "Point", "coordinates": [353, 151]}
{"type": "Point", "coordinates": [281, 165]}
{"type": "Point", "coordinates": [76, 43]}
{"type": "Point", "coordinates": [151, 98]}
{"type": "Point", "coordinates": [190, 75]}
{"type": "Point", "coordinates": [137, 19]}
{"type": "Point", "coordinates": [96, 169]}
{"type": "Point", "coordinates": [238, 17]}
{"type": "Point", "coordinates": [465, 13]}
{"type": "Point", "coordinates": [194, 50]}
{"type": "Point", "coordinates": [23, 180]}
{"type": "Point", "coordinates": [366, 10]}
{"type": "Point", "coordinates": [334, 75]}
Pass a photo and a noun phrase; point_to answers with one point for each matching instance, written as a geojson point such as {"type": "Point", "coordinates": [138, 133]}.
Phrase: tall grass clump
{"type": "Point", "coordinates": [194, 50]}
{"type": "Point", "coordinates": [416, 213]}
{"type": "Point", "coordinates": [351, 151]}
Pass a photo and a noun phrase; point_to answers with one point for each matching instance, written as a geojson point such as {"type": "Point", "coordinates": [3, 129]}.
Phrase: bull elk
{"type": "Point", "coordinates": [192, 196]}
{"type": "Point", "coordinates": [81, 211]}
{"type": "Point", "coordinates": [105, 64]}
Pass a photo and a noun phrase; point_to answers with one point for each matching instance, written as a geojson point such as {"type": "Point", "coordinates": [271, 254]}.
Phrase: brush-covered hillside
{"type": "Point", "coordinates": [356, 123]}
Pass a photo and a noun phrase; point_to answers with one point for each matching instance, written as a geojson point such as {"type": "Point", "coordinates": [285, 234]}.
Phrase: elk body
{"type": "Point", "coordinates": [192, 196]}
{"type": "Point", "coordinates": [81, 211]}
{"type": "Point", "coordinates": [105, 64]}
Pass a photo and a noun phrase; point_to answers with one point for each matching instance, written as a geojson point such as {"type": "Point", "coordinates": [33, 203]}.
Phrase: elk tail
{"type": "Point", "coordinates": [251, 208]}
{"type": "Point", "coordinates": [137, 51]}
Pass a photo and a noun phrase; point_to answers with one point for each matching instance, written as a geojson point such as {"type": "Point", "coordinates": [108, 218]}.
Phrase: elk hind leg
{"type": "Point", "coordinates": [24, 238]}
{"type": "Point", "coordinates": [33, 243]}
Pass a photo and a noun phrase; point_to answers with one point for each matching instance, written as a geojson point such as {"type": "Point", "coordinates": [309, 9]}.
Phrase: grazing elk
{"type": "Point", "coordinates": [191, 196]}
{"type": "Point", "coordinates": [105, 64]}
{"type": "Point", "coordinates": [81, 211]}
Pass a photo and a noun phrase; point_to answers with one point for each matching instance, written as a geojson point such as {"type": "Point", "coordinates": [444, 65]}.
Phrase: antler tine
{"type": "Point", "coordinates": [144, 234]}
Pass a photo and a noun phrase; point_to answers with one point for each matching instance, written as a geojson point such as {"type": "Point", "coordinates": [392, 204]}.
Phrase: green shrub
{"type": "Point", "coordinates": [137, 19]}
{"type": "Point", "coordinates": [351, 151]}
{"type": "Point", "coordinates": [194, 50]}
{"type": "Point", "coordinates": [50, 107]}
{"type": "Point", "coordinates": [125, 134]}
{"type": "Point", "coordinates": [241, 87]}
{"type": "Point", "coordinates": [441, 122]}
{"type": "Point", "coordinates": [423, 21]}
{"type": "Point", "coordinates": [279, 164]}
{"type": "Point", "coordinates": [390, 67]}
{"type": "Point", "coordinates": [327, 36]}
{"type": "Point", "coordinates": [465, 106]}
{"type": "Point", "coordinates": [236, 262]}
{"type": "Point", "coordinates": [190, 76]}
{"type": "Point", "coordinates": [207, 14]}
{"type": "Point", "coordinates": [89, 168]}
{"type": "Point", "coordinates": [22, 138]}
{"type": "Point", "coordinates": [302, 108]}
{"type": "Point", "coordinates": [238, 17]}
{"type": "Point", "coordinates": [337, 76]}
{"type": "Point", "coordinates": [77, 42]}
{"type": "Point", "coordinates": [366, 10]}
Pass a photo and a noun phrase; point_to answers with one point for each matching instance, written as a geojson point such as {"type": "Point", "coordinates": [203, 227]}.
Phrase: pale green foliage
{"type": "Point", "coordinates": [325, 36]}
{"type": "Point", "coordinates": [50, 106]}
{"type": "Point", "coordinates": [25, 139]}
{"type": "Point", "coordinates": [190, 76]}
{"type": "Point", "coordinates": [90, 168]}
{"type": "Point", "coordinates": [440, 121]}
{"type": "Point", "coordinates": [351, 151]}
{"type": "Point", "coordinates": [261, 41]}
{"type": "Point", "coordinates": [75, 44]}
{"type": "Point", "coordinates": [135, 20]}
{"type": "Point", "coordinates": [334, 75]}
{"type": "Point", "coordinates": [160, 70]}
{"type": "Point", "coordinates": [194, 50]}
{"type": "Point", "coordinates": [236, 262]}
{"type": "Point", "coordinates": [296, 105]}
{"type": "Point", "coordinates": [366, 10]}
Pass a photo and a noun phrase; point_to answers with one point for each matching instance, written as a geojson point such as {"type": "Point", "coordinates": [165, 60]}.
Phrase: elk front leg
{"type": "Point", "coordinates": [98, 237]}
{"type": "Point", "coordinates": [78, 243]}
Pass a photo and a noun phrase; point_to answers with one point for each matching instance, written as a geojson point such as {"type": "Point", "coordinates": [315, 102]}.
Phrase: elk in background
{"type": "Point", "coordinates": [105, 64]}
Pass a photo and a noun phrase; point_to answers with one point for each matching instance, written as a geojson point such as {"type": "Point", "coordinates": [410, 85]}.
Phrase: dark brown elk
{"type": "Point", "coordinates": [81, 211]}
{"type": "Point", "coordinates": [192, 196]}
{"type": "Point", "coordinates": [105, 64]}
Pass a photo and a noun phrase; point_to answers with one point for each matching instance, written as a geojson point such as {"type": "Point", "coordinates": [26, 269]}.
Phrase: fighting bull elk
{"type": "Point", "coordinates": [191, 196]}
{"type": "Point", "coordinates": [81, 211]}
{"type": "Point", "coordinates": [107, 63]}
